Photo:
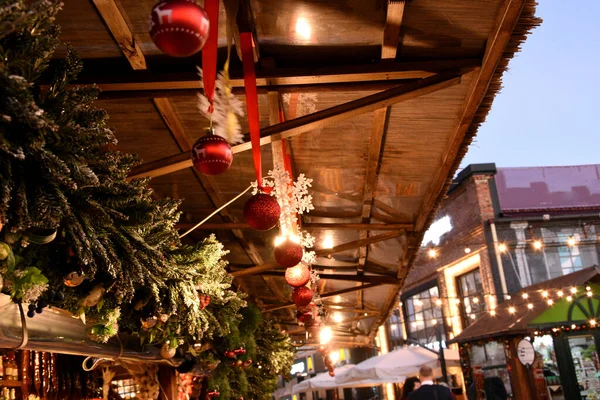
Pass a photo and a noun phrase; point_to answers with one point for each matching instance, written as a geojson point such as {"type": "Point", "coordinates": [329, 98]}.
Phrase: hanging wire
{"type": "Point", "coordinates": [215, 212]}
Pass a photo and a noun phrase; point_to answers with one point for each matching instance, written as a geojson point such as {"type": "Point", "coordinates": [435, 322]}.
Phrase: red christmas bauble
{"type": "Point", "coordinates": [178, 28]}
{"type": "Point", "coordinates": [297, 276]}
{"type": "Point", "coordinates": [302, 296]}
{"type": "Point", "coordinates": [304, 316]}
{"type": "Point", "coordinates": [288, 253]}
{"type": "Point", "coordinates": [212, 155]}
{"type": "Point", "coordinates": [262, 212]}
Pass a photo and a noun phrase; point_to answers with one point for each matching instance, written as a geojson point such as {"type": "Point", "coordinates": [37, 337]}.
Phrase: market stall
{"type": "Point", "coordinates": [542, 342]}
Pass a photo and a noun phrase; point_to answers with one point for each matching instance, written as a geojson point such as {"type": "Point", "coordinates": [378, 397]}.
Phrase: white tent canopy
{"type": "Point", "coordinates": [324, 382]}
{"type": "Point", "coordinates": [391, 366]}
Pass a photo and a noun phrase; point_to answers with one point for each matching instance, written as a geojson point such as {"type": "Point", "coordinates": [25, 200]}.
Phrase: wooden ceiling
{"type": "Point", "coordinates": [381, 99]}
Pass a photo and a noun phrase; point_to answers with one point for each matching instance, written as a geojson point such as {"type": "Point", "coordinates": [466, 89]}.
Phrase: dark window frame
{"type": "Point", "coordinates": [465, 317]}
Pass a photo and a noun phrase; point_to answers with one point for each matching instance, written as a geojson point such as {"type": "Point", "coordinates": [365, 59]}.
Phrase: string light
{"type": "Point", "coordinates": [588, 288]}
{"type": "Point", "coordinates": [537, 244]}
{"type": "Point", "coordinates": [476, 300]}
{"type": "Point", "coordinates": [325, 335]}
{"type": "Point", "coordinates": [569, 298]}
{"type": "Point", "coordinates": [434, 321]}
{"type": "Point", "coordinates": [593, 322]}
{"type": "Point", "coordinates": [467, 250]}
{"type": "Point", "coordinates": [573, 326]}
{"type": "Point", "coordinates": [473, 316]}
{"type": "Point", "coordinates": [525, 295]}
{"type": "Point", "coordinates": [560, 293]}
{"type": "Point", "coordinates": [571, 241]}
{"type": "Point", "coordinates": [589, 294]}
{"type": "Point", "coordinates": [493, 313]}
{"type": "Point", "coordinates": [511, 310]}
{"type": "Point", "coordinates": [573, 290]}
{"type": "Point", "coordinates": [550, 302]}
{"type": "Point", "coordinates": [432, 253]}
{"type": "Point", "coordinates": [502, 247]}
{"type": "Point", "coordinates": [438, 302]}
{"type": "Point", "coordinates": [530, 306]}
{"type": "Point", "coordinates": [508, 297]}
{"type": "Point", "coordinates": [544, 294]}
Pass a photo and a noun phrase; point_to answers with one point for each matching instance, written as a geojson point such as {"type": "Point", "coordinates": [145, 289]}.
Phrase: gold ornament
{"type": "Point", "coordinates": [167, 352]}
{"type": "Point", "coordinates": [149, 322]}
{"type": "Point", "coordinates": [73, 279]}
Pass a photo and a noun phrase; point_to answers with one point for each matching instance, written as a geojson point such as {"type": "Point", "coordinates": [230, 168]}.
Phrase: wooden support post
{"type": "Point", "coordinates": [520, 375]}
{"type": "Point", "coordinates": [112, 16]}
{"type": "Point", "coordinates": [167, 377]}
{"type": "Point", "coordinates": [391, 31]}
{"type": "Point", "coordinates": [317, 120]}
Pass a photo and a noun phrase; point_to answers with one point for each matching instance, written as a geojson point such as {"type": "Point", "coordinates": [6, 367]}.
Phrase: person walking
{"type": "Point", "coordinates": [428, 389]}
{"type": "Point", "coordinates": [410, 385]}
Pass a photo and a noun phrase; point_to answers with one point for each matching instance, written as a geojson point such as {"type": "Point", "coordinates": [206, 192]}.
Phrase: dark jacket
{"type": "Point", "coordinates": [494, 389]}
{"type": "Point", "coordinates": [428, 392]}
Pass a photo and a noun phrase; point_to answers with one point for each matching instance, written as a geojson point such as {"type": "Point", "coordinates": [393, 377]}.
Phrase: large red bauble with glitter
{"type": "Point", "coordinates": [302, 296]}
{"type": "Point", "coordinates": [179, 28]}
{"type": "Point", "coordinates": [212, 155]}
{"type": "Point", "coordinates": [296, 276]}
{"type": "Point", "coordinates": [262, 212]}
{"type": "Point", "coordinates": [288, 253]}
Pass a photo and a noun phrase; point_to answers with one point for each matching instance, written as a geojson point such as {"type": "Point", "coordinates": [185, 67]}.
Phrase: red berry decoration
{"type": "Point", "coordinates": [229, 354]}
{"type": "Point", "coordinates": [302, 296]}
{"type": "Point", "coordinates": [262, 212]}
{"type": "Point", "coordinates": [212, 154]}
{"type": "Point", "coordinates": [297, 276]}
{"type": "Point", "coordinates": [288, 253]}
{"type": "Point", "coordinates": [304, 316]}
{"type": "Point", "coordinates": [178, 28]}
{"type": "Point", "coordinates": [241, 350]}
{"type": "Point", "coordinates": [213, 393]}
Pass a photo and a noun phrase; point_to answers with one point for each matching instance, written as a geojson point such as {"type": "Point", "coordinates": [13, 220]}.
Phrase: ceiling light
{"type": "Point", "coordinates": [325, 335]}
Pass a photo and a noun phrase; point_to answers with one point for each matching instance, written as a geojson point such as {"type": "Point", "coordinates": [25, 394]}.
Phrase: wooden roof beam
{"type": "Point", "coordinates": [506, 20]}
{"type": "Point", "coordinates": [310, 226]}
{"type": "Point", "coordinates": [350, 77]}
{"type": "Point", "coordinates": [324, 252]}
{"type": "Point", "coordinates": [313, 121]}
{"type": "Point", "coordinates": [391, 31]}
{"type": "Point", "coordinates": [391, 280]}
{"type": "Point", "coordinates": [112, 16]}
{"type": "Point", "coordinates": [323, 296]}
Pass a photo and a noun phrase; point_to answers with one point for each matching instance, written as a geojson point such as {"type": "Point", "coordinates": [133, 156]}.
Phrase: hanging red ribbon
{"type": "Point", "coordinates": [209, 53]}
{"type": "Point", "coordinates": [247, 44]}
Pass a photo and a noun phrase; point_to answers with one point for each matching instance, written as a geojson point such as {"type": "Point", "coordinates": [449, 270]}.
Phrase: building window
{"type": "Point", "coordinates": [423, 316]}
{"type": "Point", "coordinates": [570, 257]}
{"type": "Point", "coordinates": [470, 292]}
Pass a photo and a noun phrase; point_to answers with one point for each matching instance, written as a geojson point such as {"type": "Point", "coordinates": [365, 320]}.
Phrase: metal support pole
{"type": "Point", "coordinates": [438, 333]}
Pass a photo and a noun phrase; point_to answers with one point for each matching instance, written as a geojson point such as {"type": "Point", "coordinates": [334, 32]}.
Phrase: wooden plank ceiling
{"type": "Point", "coordinates": [377, 97]}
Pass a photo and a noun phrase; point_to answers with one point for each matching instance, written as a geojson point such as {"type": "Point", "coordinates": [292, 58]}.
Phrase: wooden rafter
{"type": "Point", "coordinates": [360, 77]}
{"type": "Point", "coordinates": [313, 121]}
{"type": "Point", "coordinates": [310, 226]}
{"type": "Point", "coordinates": [391, 31]}
{"type": "Point", "coordinates": [506, 20]}
{"type": "Point", "coordinates": [112, 16]}
{"type": "Point", "coordinates": [348, 278]}
{"type": "Point", "coordinates": [323, 296]}
{"type": "Point", "coordinates": [324, 252]}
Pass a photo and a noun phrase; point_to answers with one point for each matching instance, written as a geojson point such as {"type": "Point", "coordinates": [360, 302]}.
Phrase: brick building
{"type": "Point", "coordinates": [498, 230]}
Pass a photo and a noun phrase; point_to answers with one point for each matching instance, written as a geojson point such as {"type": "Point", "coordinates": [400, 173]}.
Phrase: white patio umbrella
{"type": "Point", "coordinates": [398, 363]}
{"type": "Point", "coordinates": [324, 382]}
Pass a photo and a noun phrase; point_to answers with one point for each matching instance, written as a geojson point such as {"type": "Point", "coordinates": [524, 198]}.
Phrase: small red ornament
{"type": "Point", "coordinates": [302, 296]}
{"type": "Point", "coordinates": [229, 354]}
{"type": "Point", "coordinates": [262, 212]}
{"type": "Point", "coordinates": [248, 363]}
{"type": "Point", "coordinates": [213, 393]}
{"type": "Point", "coordinates": [304, 316]}
{"type": "Point", "coordinates": [178, 28]}
{"type": "Point", "coordinates": [296, 276]}
{"type": "Point", "coordinates": [288, 253]}
{"type": "Point", "coordinates": [241, 350]}
{"type": "Point", "coordinates": [212, 154]}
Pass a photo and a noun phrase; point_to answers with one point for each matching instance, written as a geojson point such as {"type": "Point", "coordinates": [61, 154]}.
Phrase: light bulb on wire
{"type": "Point", "coordinates": [571, 241]}
{"type": "Point", "coordinates": [502, 247]}
{"type": "Point", "coordinates": [537, 244]}
{"type": "Point", "coordinates": [432, 253]}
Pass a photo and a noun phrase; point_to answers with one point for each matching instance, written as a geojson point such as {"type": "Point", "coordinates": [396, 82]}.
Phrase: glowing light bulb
{"type": "Point", "coordinates": [544, 294]}
{"type": "Point", "coordinates": [502, 247]}
{"type": "Point", "coordinates": [573, 290]}
{"type": "Point", "coordinates": [571, 241]}
{"type": "Point", "coordinates": [338, 317]}
{"type": "Point", "coordinates": [590, 294]}
{"type": "Point", "coordinates": [279, 240]}
{"type": "Point", "coordinates": [550, 302]}
{"type": "Point", "coordinates": [303, 29]}
{"type": "Point", "coordinates": [325, 335]}
{"type": "Point", "coordinates": [530, 306]}
{"type": "Point", "coordinates": [476, 300]}
{"type": "Point", "coordinates": [473, 316]}
{"type": "Point", "coordinates": [511, 310]}
{"type": "Point", "coordinates": [592, 322]}
{"type": "Point", "coordinates": [508, 297]}
{"type": "Point", "coordinates": [569, 298]}
{"type": "Point", "coordinates": [334, 356]}
{"type": "Point", "coordinates": [493, 312]}
{"type": "Point", "coordinates": [467, 250]}
{"type": "Point", "coordinates": [438, 302]}
{"type": "Point", "coordinates": [525, 295]}
{"type": "Point", "coordinates": [573, 326]}
{"type": "Point", "coordinates": [588, 288]}
{"type": "Point", "coordinates": [560, 293]}
{"type": "Point", "coordinates": [327, 242]}
{"type": "Point", "coordinates": [537, 244]}
{"type": "Point", "coordinates": [432, 253]}
{"type": "Point", "coordinates": [434, 321]}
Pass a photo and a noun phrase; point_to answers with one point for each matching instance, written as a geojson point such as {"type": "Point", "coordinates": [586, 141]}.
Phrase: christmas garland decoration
{"type": "Point", "coordinates": [75, 234]}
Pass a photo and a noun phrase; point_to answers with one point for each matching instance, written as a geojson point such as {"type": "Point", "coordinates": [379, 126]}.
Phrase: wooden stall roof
{"type": "Point", "coordinates": [518, 323]}
{"type": "Point", "coordinates": [381, 100]}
